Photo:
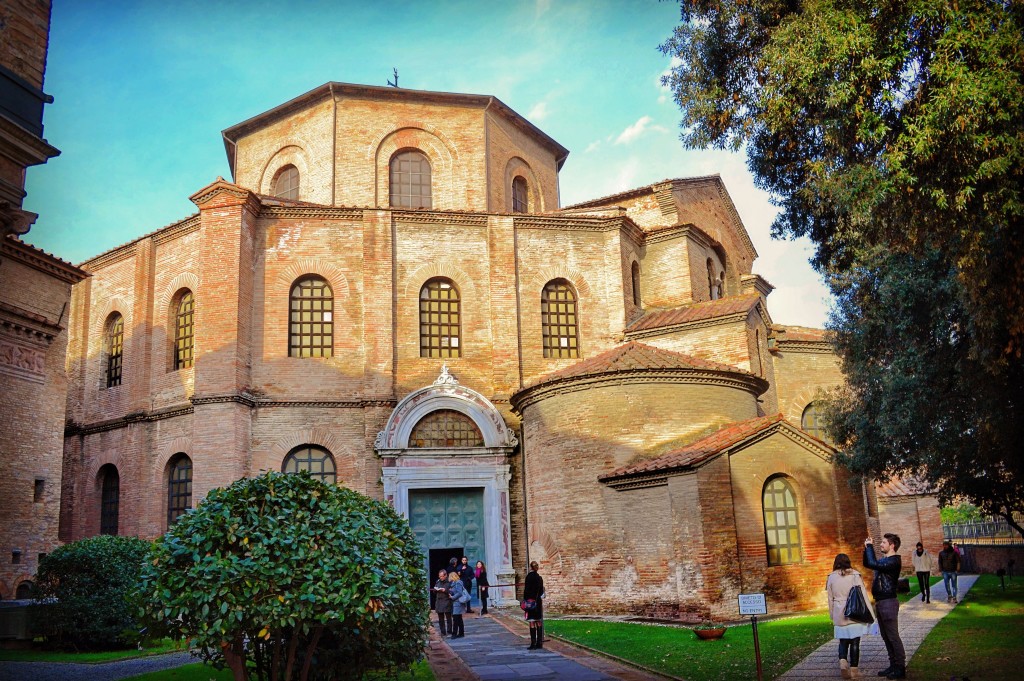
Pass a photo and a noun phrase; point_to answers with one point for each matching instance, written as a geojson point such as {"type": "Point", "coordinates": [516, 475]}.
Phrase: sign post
{"type": "Point", "coordinates": [754, 605]}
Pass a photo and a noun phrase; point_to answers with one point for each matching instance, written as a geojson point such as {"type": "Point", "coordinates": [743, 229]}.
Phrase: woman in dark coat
{"type": "Point", "coordinates": [534, 590]}
{"type": "Point", "coordinates": [482, 585]}
{"type": "Point", "coordinates": [443, 603]}
{"type": "Point", "coordinates": [466, 577]}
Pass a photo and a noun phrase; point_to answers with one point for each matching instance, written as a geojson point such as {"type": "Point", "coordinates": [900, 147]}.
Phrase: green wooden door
{"type": "Point", "coordinates": [448, 518]}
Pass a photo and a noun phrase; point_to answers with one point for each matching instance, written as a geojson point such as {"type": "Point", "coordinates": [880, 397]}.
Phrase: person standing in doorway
{"type": "Point", "coordinates": [466, 575]}
{"type": "Point", "coordinates": [949, 566]}
{"type": "Point", "coordinates": [482, 585]}
{"type": "Point", "coordinates": [460, 603]}
{"type": "Point", "coordinates": [887, 605]}
{"type": "Point", "coordinates": [923, 567]}
{"type": "Point", "coordinates": [534, 590]}
{"type": "Point", "coordinates": [443, 603]}
{"type": "Point", "coordinates": [838, 586]}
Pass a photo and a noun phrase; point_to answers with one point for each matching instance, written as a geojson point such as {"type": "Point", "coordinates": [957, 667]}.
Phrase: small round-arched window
{"type": "Point", "coordinates": [446, 428]}
{"type": "Point", "coordinates": [410, 180]}
{"type": "Point", "coordinates": [812, 421]}
{"type": "Point", "coordinates": [24, 591]}
{"type": "Point", "coordinates": [635, 272]}
{"type": "Point", "coordinates": [315, 460]}
{"type": "Point", "coordinates": [781, 522]}
{"type": "Point", "coordinates": [520, 195]}
{"type": "Point", "coordinates": [286, 183]}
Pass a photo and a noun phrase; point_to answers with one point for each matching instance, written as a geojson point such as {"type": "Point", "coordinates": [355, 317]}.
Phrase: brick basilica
{"type": "Point", "coordinates": [389, 295]}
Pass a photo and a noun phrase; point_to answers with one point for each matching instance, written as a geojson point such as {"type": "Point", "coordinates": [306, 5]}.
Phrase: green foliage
{"type": "Point", "coordinates": [84, 593]}
{"type": "Point", "coordinates": [286, 573]}
{"type": "Point", "coordinates": [890, 134]}
{"type": "Point", "coordinates": [960, 514]}
{"type": "Point", "coordinates": [918, 403]}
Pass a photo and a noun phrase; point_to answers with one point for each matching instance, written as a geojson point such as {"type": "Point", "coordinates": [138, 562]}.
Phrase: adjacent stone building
{"type": "Point", "coordinates": [389, 295]}
{"type": "Point", "coordinates": [34, 291]}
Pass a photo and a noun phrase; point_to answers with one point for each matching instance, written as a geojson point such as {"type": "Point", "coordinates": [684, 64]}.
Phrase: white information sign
{"type": "Point", "coordinates": [753, 604]}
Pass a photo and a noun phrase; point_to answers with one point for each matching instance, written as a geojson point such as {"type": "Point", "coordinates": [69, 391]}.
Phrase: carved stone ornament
{"type": "Point", "coordinates": [445, 378]}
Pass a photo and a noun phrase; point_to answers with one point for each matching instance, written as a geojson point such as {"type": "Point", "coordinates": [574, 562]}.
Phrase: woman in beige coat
{"type": "Point", "coordinates": [840, 582]}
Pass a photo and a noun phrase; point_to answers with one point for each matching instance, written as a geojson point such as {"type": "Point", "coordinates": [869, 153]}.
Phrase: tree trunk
{"type": "Point", "coordinates": [234, 656]}
{"type": "Point", "coordinates": [293, 644]}
{"type": "Point", "coordinates": [310, 649]}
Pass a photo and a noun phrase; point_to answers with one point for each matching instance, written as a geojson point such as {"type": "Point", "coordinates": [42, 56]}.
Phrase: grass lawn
{"type": "Point", "coordinates": [982, 638]}
{"type": "Point", "coordinates": [200, 672]}
{"type": "Point", "coordinates": [163, 646]}
{"type": "Point", "coordinates": [677, 651]}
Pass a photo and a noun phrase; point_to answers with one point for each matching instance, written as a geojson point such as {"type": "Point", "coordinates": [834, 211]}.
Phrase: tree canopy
{"type": "Point", "coordinates": [892, 135]}
{"type": "Point", "coordinates": [283, 576]}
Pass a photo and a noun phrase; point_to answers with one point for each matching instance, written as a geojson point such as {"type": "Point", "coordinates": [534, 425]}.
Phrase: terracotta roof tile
{"type": "Point", "coordinates": [701, 450]}
{"type": "Point", "coordinates": [633, 356]}
{"type": "Point", "coordinates": [803, 333]}
{"type": "Point", "coordinates": [902, 487]}
{"type": "Point", "coordinates": [695, 312]}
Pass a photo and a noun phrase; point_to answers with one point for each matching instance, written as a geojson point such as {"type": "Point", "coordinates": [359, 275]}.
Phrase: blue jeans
{"type": "Point", "coordinates": [948, 577]}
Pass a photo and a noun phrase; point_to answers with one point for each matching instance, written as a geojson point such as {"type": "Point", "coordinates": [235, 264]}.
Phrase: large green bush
{"type": "Point", "coordinates": [84, 592]}
{"type": "Point", "coordinates": [283, 576]}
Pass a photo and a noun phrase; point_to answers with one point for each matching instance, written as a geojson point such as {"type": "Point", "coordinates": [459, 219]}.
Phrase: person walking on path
{"type": "Point", "coordinates": [949, 566]}
{"type": "Point", "coordinates": [838, 586]}
{"type": "Point", "coordinates": [443, 603]}
{"type": "Point", "coordinates": [466, 576]}
{"type": "Point", "coordinates": [482, 585]}
{"type": "Point", "coordinates": [534, 590]}
{"type": "Point", "coordinates": [923, 567]}
{"type": "Point", "coordinates": [887, 605]}
{"type": "Point", "coordinates": [460, 605]}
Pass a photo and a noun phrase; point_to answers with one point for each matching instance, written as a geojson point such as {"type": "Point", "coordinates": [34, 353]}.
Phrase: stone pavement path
{"type": "Point", "coordinates": [108, 671]}
{"type": "Point", "coordinates": [495, 649]}
{"type": "Point", "coordinates": [916, 620]}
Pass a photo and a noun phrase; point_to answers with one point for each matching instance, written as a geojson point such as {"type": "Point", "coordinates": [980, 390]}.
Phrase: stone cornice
{"type": "Point", "coordinates": [74, 429]}
{"type": "Point", "coordinates": [173, 231]}
{"type": "Point", "coordinates": [680, 230]}
{"type": "Point", "coordinates": [42, 261]}
{"type": "Point", "coordinates": [177, 230]}
{"type": "Point", "coordinates": [439, 218]}
{"type": "Point", "coordinates": [22, 147]}
{"type": "Point", "coordinates": [27, 326]}
{"type": "Point", "coordinates": [741, 381]}
{"type": "Point", "coordinates": [816, 347]}
{"type": "Point", "coordinates": [311, 212]}
{"type": "Point", "coordinates": [641, 481]}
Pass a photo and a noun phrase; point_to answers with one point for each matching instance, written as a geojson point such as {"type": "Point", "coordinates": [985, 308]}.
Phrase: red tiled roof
{"type": "Point", "coordinates": [803, 333]}
{"type": "Point", "coordinates": [701, 450]}
{"type": "Point", "coordinates": [632, 356]}
{"type": "Point", "coordinates": [901, 487]}
{"type": "Point", "coordinates": [695, 312]}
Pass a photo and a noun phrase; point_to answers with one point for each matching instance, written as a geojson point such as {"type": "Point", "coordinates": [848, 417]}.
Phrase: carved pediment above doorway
{"type": "Point", "coordinates": [445, 394]}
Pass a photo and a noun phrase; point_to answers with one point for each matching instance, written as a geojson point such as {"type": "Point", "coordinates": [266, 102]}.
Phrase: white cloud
{"type": "Point", "coordinates": [542, 7]}
{"type": "Point", "coordinates": [539, 112]}
{"type": "Point", "coordinates": [637, 129]}
{"type": "Point", "coordinates": [592, 146]}
{"type": "Point", "coordinates": [665, 92]}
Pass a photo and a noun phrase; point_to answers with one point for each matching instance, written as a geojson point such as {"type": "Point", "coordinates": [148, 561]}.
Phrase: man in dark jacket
{"type": "Point", "coordinates": [949, 566]}
{"type": "Point", "coordinates": [883, 588]}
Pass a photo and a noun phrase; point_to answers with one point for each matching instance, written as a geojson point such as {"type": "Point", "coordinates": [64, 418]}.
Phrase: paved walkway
{"type": "Point", "coordinates": [916, 620]}
{"type": "Point", "coordinates": [108, 671]}
{"type": "Point", "coordinates": [495, 649]}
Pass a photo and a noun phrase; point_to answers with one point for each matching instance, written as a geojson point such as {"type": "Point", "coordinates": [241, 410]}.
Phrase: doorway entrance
{"type": "Point", "coordinates": [448, 523]}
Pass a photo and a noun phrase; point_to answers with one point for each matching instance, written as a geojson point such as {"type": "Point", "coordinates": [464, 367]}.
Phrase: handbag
{"type": "Point", "coordinates": [857, 608]}
{"type": "Point", "coordinates": [528, 604]}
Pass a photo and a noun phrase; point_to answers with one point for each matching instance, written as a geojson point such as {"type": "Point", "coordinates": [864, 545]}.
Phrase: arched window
{"type": "Point", "coordinates": [110, 498]}
{"type": "Point", "coordinates": [712, 281]}
{"type": "Point", "coordinates": [446, 428]}
{"type": "Point", "coordinates": [721, 284]}
{"type": "Point", "coordinates": [114, 343]}
{"type": "Point", "coordinates": [635, 270]}
{"type": "Point", "coordinates": [781, 522]}
{"type": "Point", "coordinates": [311, 329]}
{"type": "Point", "coordinates": [812, 421]}
{"type": "Point", "coordinates": [24, 590]}
{"type": "Point", "coordinates": [520, 196]}
{"type": "Point", "coordinates": [558, 322]}
{"type": "Point", "coordinates": [286, 183]}
{"type": "Point", "coordinates": [317, 461]}
{"type": "Point", "coordinates": [184, 332]}
{"type": "Point", "coordinates": [410, 180]}
{"type": "Point", "coordinates": [439, 319]}
{"type": "Point", "coordinates": [179, 487]}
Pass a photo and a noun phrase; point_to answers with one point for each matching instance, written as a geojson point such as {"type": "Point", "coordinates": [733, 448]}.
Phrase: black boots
{"type": "Point", "coordinates": [540, 637]}
{"type": "Point", "coordinates": [533, 639]}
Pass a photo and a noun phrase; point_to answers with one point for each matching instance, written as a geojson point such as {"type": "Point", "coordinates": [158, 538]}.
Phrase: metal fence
{"type": "Point", "coordinates": [996, 532]}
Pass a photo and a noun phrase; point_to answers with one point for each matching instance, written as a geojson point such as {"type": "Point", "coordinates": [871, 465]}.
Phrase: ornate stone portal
{"type": "Point", "coordinates": [407, 468]}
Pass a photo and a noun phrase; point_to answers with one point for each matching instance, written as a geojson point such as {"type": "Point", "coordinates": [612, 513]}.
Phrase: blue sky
{"type": "Point", "coordinates": [143, 88]}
